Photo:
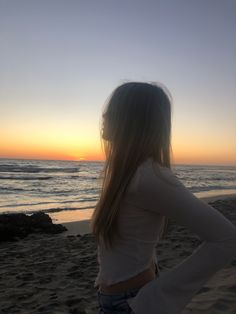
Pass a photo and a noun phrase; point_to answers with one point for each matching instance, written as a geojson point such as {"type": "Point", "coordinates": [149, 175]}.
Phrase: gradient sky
{"type": "Point", "coordinates": [60, 60]}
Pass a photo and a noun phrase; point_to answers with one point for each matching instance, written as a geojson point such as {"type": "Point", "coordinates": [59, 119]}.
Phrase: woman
{"type": "Point", "coordinates": [139, 193]}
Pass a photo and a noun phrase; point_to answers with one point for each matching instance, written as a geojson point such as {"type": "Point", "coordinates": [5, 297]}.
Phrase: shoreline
{"type": "Point", "coordinates": [82, 226]}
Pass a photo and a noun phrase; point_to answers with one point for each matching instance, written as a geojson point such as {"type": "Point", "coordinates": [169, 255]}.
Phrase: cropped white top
{"type": "Point", "coordinates": [154, 192]}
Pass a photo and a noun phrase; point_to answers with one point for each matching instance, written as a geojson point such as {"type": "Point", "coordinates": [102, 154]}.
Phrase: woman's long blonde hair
{"type": "Point", "coordinates": [139, 119]}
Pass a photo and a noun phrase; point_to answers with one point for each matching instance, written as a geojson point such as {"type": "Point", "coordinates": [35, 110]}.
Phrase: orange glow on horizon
{"type": "Point", "coordinates": [62, 145]}
{"type": "Point", "coordinates": [178, 158]}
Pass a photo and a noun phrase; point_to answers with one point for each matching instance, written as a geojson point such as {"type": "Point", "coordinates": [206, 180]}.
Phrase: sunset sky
{"type": "Point", "coordinates": [60, 60]}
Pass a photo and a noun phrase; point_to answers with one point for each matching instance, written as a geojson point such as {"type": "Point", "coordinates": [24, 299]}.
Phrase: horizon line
{"type": "Point", "coordinates": [84, 160]}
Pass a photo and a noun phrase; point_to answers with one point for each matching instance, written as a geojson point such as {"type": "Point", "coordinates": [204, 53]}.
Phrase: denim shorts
{"type": "Point", "coordinates": [115, 303]}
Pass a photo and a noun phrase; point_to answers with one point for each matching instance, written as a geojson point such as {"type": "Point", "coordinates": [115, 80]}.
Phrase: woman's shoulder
{"type": "Point", "coordinates": [151, 172]}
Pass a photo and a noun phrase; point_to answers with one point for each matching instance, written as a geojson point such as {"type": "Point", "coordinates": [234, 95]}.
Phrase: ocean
{"type": "Point", "coordinates": [68, 190]}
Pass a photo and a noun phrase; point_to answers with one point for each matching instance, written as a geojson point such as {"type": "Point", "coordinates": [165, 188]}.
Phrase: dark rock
{"type": "Point", "coordinates": [18, 225]}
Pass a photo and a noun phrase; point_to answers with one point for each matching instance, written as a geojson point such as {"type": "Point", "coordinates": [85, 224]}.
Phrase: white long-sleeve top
{"type": "Point", "coordinates": [154, 192]}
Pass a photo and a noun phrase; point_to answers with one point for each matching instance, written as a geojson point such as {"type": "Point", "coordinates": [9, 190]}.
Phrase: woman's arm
{"type": "Point", "coordinates": [173, 289]}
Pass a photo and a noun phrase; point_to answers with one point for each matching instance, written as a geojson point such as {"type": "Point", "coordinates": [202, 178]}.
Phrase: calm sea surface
{"type": "Point", "coordinates": [68, 190]}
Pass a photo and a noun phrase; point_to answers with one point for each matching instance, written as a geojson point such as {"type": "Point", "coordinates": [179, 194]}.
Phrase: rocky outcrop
{"type": "Point", "coordinates": [18, 225]}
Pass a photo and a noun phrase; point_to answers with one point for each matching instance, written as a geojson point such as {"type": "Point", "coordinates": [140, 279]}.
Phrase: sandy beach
{"type": "Point", "coordinates": [55, 273]}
